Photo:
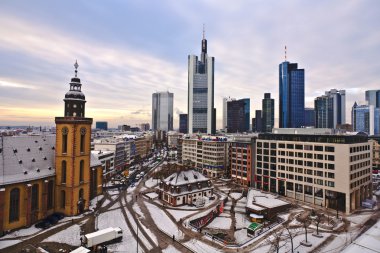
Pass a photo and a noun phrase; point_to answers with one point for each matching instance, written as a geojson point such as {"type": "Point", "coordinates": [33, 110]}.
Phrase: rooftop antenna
{"type": "Point", "coordinates": [76, 65]}
{"type": "Point", "coordinates": [203, 31]}
{"type": "Point", "coordinates": [285, 52]}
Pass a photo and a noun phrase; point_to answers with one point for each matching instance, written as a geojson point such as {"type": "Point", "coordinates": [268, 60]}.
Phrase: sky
{"type": "Point", "coordinates": [128, 50]}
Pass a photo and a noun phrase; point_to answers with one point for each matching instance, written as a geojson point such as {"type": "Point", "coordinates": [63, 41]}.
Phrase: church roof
{"type": "Point", "coordinates": [185, 177]}
{"type": "Point", "coordinates": [26, 158]}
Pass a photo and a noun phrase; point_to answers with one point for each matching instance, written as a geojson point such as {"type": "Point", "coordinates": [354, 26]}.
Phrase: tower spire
{"type": "Point", "coordinates": [285, 52]}
{"type": "Point", "coordinates": [203, 31]}
{"type": "Point", "coordinates": [76, 65]}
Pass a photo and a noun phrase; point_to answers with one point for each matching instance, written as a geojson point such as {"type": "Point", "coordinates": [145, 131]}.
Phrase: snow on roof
{"type": "Point", "coordinates": [185, 177]}
{"type": "Point", "coordinates": [94, 160]}
{"type": "Point", "coordinates": [257, 200]}
{"type": "Point", "coordinates": [81, 249]}
{"type": "Point", "coordinates": [26, 158]}
{"type": "Point", "coordinates": [367, 242]}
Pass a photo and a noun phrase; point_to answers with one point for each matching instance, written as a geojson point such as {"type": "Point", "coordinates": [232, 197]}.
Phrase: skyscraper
{"type": "Point", "coordinates": [225, 100]}
{"type": "Point", "coordinates": [238, 115]}
{"type": "Point", "coordinates": [330, 109]}
{"type": "Point", "coordinates": [267, 113]}
{"type": "Point", "coordinates": [309, 117]}
{"type": "Point", "coordinates": [292, 95]}
{"type": "Point", "coordinates": [366, 118]}
{"type": "Point", "coordinates": [373, 97]}
{"type": "Point", "coordinates": [201, 111]}
{"type": "Point", "coordinates": [183, 123]}
{"type": "Point", "coordinates": [257, 122]}
{"type": "Point", "coordinates": [162, 111]}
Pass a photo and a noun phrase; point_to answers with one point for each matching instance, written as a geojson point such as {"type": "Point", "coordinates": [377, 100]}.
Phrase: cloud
{"type": "Point", "coordinates": [124, 58]}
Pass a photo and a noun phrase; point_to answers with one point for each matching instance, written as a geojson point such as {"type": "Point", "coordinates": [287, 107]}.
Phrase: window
{"type": "Point", "coordinates": [63, 199]}
{"type": "Point", "coordinates": [50, 194]}
{"type": "Point", "coordinates": [329, 149]}
{"type": "Point", "coordinates": [82, 139]}
{"type": "Point", "coordinates": [63, 172]}
{"type": "Point", "coordinates": [14, 205]}
{"type": "Point", "coordinates": [65, 131]}
{"type": "Point", "coordinates": [318, 148]}
{"type": "Point", "coordinates": [81, 193]}
{"type": "Point", "coordinates": [81, 171]}
{"type": "Point", "coordinates": [35, 197]}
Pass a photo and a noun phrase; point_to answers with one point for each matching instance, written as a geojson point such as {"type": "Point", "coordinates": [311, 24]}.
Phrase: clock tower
{"type": "Point", "coordinates": [73, 155]}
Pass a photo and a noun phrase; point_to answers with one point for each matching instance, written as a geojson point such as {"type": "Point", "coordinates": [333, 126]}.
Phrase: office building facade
{"type": "Point", "coordinates": [102, 125]}
{"type": "Point", "coordinates": [292, 95]}
{"type": "Point", "coordinates": [267, 113]}
{"type": "Point", "coordinates": [309, 117]}
{"type": "Point", "coordinates": [183, 123]}
{"type": "Point", "coordinates": [330, 109]}
{"type": "Point", "coordinates": [333, 171]}
{"type": "Point", "coordinates": [162, 111]}
{"type": "Point", "coordinates": [365, 118]}
{"type": "Point", "coordinates": [201, 111]}
{"type": "Point", "coordinates": [238, 115]}
{"type": "Point", "coordinates": [257, 122]}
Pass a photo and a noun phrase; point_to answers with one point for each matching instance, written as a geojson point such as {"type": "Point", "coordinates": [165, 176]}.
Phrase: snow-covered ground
{"type": "Point", "coordinates": [106, 202]}
{"type": "Point", "coordinates": [241, 236]}
{"type": "Point", "coordinates": [170, 249]}
{"type": "Point", "coordinates": [8, 243]}
{"type": "Point", "coordinates": [151, 183]}
{"type": "Point", "coordinates": [163, 221]}
{"type": "Point", "coordinates": [142, 238]}
{"type": "Point", "coordinates": [241, 221]}
{"type": "Point", "coordinates": [235, 195]}
{"type": "Point", "coordinates": [70, 236]}
{"type": "Point", "coordinates": [115, 218]}
{"type": "Point", "coordinates": [220, 223]}
{"type": "Point", "coordinates": [22, 232]}
{"type": "Point", "coordinates": [201, 247]}
{"type": "Point", "coordinates": [178, 214]}
{"type": "Point", "coordinates": [137, 209]}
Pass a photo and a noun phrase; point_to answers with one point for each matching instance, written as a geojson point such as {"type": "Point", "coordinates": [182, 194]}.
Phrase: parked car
{"type": "Point", "coordinates": [58, 215]}
{"type": "Point", "coordinates": [52, 219]}
{"type": "Point", "coordinates": [43, 224]}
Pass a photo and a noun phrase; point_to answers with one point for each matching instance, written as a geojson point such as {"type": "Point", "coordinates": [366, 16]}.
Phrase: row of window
{"type": "Point", "coordinates": [360, 173]}
{"type": "Point", "coordinates": [65, 132]}
{"type": "Point", "coordinates": [64, 171]}
{"type": "Point", "coordinates": [359, 148]}
{"type": "Point", "coordinates": [14, 200]}
{"type": "Point", "coordinates": [360, 165]}
{"type": "Point", "coordinates": [360, 182]}
{"type": "Point", "coordinates": [359, 157]}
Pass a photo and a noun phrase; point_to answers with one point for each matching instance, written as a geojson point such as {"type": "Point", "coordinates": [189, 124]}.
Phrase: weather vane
{"type": "Point", "coordinates": [76, 65]}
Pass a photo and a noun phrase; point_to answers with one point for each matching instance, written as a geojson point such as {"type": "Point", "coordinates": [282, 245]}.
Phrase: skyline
{"type": "Point", "coordinates": [127, 51]}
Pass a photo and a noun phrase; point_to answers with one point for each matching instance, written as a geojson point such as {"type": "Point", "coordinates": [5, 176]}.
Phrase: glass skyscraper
{"type": "Point", "coordinates": [238, 115]}
{"type": "Point", "coordinates": [330, 109]}
{"type": "Point", "coordinates": [309, 117]}
{"type": "Point", "coordinates": [267, 113]}
{"type": "Point", "coordinates": [162, 111]}
{"type": "Point", "coordinates": [183, 123]}
{"type": "Point", "coordinates": [292, 95]}
{"type": "Point", "coordinates": [201, 111]}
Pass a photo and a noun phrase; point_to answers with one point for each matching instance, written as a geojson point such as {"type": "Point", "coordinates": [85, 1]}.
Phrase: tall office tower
{"type": "Point", "coordinates": [103, 125]}
{"type": "Point", "coordinates": [330, 109]}
{"type": "Point", "coordinates": [366, 118]}
{"type": "Point", "coordinates": [238, 115]}
{"type": "Point", "coordinates": [309, 117]}
{"type": "Point", "coordinates": [257, 122]}
{"type": "Point", "coordinates": [162, 111]}
{"type": "Point", "coordinates": [268, 113]}
{"type": "Point", "coordinates": [201, 111]}
{"type": "Point", "coordinates": [225, 100]}
{"type": "Point", "coordinates": [183, 123]}
{"type": "Point", "coordinates": [373, 97]}
{"type": "Point", "coordinates": [292, 95]}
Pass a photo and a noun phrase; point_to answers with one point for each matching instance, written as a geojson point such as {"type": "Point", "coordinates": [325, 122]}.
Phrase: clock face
{"type": "Point", "coordinates": [65, 130]}
{"type": "Point", "coordinates": [83, 131]}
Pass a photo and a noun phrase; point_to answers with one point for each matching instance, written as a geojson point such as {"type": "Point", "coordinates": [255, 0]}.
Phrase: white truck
{"type": "Point", "coordinates": [103, 236]}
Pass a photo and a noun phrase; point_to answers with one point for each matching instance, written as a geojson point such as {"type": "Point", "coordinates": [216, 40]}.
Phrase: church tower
{"type": "Point", "coordinates": [73, 155]}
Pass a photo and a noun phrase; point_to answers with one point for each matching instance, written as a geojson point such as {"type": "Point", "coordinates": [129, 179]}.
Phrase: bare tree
{"type": "Point", "coordinates": [318, 220]}
{"type": "Point", "coordinates": [291, 236]}
{"type": "Point", "coordinates": [277, 238]}
{"type": "Point", "coordinates": [305, 220]}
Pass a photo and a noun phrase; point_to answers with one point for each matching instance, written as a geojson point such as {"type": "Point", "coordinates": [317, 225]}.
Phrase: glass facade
{"type": "Point", "coordinates": [162, 111]}
{"type": "Point", "coordinates": [292, 95]}
{"type": "Point", "coordinates": [238, 115]}
{"type": "Point", "coordinates": [309, 117]}
{"type": "Point", "coordinates": [330, 109]}
{"type": "Point", "coordinates": [360, 118]}
{"type": "Point", "coordinates": [183, 123]}
{"type": "Point", "coordinates": [267, 113]}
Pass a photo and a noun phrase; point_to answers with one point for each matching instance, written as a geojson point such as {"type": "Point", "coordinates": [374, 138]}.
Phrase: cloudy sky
{"type": "Point", "coordinates": [129, 49]}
